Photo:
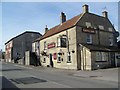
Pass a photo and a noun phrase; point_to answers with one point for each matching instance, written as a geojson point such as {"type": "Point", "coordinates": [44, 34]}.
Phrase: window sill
{"type": "Point", "coordinates": [58, 61]}
{"type": "Point", "coordinates": [68, 61]}
{"type": "Point", "coordinates": [100, 61]}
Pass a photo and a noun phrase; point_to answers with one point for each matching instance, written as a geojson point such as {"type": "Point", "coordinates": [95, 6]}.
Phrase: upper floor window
{"type": "Point", "coordinates": [45, 45]}
{"type": "Point", "coordinates": [61, 42]}
{"type": "Point", "coordinates": [101, 27]}
{"type": "Point", "coordinates": [111, 41]}
{"type": "Point", "coordinates": [110, 29]}
{"type": "Point", "coordinates": [89, 38]}
{"type": "Point", "coordinates": [88, 24]}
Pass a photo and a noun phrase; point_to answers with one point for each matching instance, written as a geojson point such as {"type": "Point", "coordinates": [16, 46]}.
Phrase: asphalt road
{"type": "Point", "coordinates": [18, 76]}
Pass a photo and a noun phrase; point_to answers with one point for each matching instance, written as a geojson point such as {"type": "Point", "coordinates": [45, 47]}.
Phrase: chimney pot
{"type": "Point", "coordinates": [85, 8]}
{"type": "Point", "coordinates": [46, 29]}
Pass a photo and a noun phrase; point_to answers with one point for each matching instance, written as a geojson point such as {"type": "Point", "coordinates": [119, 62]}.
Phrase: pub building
{"type": "Point", "coordinates": [85, 42]}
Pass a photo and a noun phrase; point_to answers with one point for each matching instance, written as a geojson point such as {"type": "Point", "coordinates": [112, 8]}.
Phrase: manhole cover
{"type": "Point", "coordinates": [28, 80]}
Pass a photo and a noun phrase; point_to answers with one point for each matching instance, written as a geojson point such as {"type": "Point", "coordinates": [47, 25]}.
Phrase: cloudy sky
{"type": "Point", "coordinates": [18, 17]}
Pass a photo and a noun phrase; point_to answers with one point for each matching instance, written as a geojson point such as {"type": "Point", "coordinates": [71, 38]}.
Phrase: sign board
{"type": "Point", "coordinates": [51, 45]}
{"type": "Point", "coordinates": [88, 30]}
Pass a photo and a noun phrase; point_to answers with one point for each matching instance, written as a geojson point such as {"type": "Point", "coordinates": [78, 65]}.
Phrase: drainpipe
{"type": "Point", "coordinates": [67, 43]}
{"type": "Point", "coordinates": [98, 36]}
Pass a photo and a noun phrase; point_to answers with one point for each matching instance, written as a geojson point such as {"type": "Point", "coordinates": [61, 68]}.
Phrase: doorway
{"type": "Point", "coordinates": [112, 59]}
{"type": "Point", "coordinates": [51, 62]}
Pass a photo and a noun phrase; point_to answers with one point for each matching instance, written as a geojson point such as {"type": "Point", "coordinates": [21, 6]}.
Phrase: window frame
{"type": "Point", "coordinates": [89, 39]}
{"type": "Point", "coordinates": [88, 24]}
{"type": "Point", "coordinates": [59, 42]}
{"type": "Point", "coordinates": [103, 57]}
{"type": "Point", "coordinates": [45, 45]}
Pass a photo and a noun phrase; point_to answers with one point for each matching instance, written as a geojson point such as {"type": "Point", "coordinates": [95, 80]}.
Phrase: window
{"type": "Point", "coordinates": [69, 58]}
{"type": "Point", "coordinates": [45, 45]}
{"type": "Point", "coordinates": [61, 42]}
{"type": "Point", "coordinates": [59, 58]}
{"type": "Point", "coordinates": [44, 60]}
{"type": "Point", "coordinates": [104, 56]}
{"type": "Point", "coordinates": [98, 56]}
{"type": "Point", "coordinates": [101, 27]}
{"type": "Point", "coordinates": [89, 38]}
{"type": "Point", "coordinates": [101, 56]}
{"type": "Point", "coordinates": [111, 41]}
{"type": "Point", "coordinates": [110, 29]}
{"type": "Point", "coordinates": [88, 24]}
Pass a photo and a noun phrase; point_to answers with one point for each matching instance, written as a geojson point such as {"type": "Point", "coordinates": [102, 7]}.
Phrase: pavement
{"type": "Point", "coordinates": [110, 74]}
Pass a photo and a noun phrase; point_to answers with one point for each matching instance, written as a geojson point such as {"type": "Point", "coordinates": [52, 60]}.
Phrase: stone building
{"type": "Point", "coordinates": [86, 42]}
{"type": "Point", "coordinates": [16, 47]}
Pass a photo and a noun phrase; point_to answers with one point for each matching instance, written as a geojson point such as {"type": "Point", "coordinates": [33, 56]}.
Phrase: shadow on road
{"type": "Point", "coordinates": [7, 85]}
{"type": "Point", "coordinates": [11, 69]}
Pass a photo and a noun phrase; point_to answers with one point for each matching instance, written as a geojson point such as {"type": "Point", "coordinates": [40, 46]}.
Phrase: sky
{"type": "Point", "coordinates": [18, 17]}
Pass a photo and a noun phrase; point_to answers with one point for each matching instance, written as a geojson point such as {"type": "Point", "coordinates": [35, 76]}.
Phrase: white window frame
{"type": "Point", "coordinates": [102, 56]}
{"type": "Point", "coordinates": [58, 42]}
{"type": "Point", "coordinates": [88, 24]}
{"type": "Point", "coordinates": [111, 41]}
{"type": "Point", "coordinates": [110, 29]}
{"type": "Point", "coordinates": [45, 45]}
{"type": "Point", "coordinates": [101, 27]}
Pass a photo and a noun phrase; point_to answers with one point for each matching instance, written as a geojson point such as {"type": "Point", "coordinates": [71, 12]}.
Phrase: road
{"type": "Point", "coordinates": [19, 76]}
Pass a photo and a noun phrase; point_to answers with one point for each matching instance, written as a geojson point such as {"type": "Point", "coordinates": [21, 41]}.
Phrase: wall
{"type": "Point", "coordinates": [23, 43]}
{"type": "Point", "coordinates": [72, 46]}
{"type": "Point", "coordinates": [95, 21]}
{"type": "Point", "coordinates": [8, 51]}
{"type": "Point", "coordinates": [85, 58]}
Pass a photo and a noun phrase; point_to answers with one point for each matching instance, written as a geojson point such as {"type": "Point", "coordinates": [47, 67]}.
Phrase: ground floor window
{"type": "Point", "coordinates": [102, 56]}
{"type": "Point", "coordinates": [59, 58]}
{"type": "Point", "coordinates": [69, 58]}
{"type": "Point", "coordinates": [44, 60]}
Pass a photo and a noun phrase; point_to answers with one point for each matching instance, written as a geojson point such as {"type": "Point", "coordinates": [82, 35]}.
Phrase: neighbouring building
{"type": "Point", "coordinates": [16, 47]}
{"type": "Point", "coordinates": [86, 42]}
{"type": "Point", "coordinates": [33, 58]}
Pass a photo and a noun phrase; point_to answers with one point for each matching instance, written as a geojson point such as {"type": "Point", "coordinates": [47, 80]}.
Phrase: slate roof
{"type": "Point", "coordinates": [22, 34]}
{"type": "Point", "coordinates": [101, 48]}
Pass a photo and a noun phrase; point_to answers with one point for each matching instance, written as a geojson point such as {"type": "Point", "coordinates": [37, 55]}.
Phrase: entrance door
{"type": "Point", "coordinates": [112, 59]}
{"type": "Point", "coordinates": [51, 62]}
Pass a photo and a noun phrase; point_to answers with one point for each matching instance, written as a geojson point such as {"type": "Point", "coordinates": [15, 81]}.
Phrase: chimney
{"type": "Point", "coordinates": [46, 29]}
{"type": "Point", "coordinates": [85, 8]}
{"type": "Point", "coordinates": [105, 14]}
{"type": "Point", "coordinates": [62, 17]}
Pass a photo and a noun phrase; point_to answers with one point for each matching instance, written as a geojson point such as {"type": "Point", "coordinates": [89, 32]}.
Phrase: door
{"type": "Point", "coordinates": [51, 62]}
{"type": "Point", "coordinates": [112, 59]}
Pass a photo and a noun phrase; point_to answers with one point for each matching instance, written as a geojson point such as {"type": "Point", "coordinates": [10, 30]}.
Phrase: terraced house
{"type": "Point", "coordinates": [86, 42]}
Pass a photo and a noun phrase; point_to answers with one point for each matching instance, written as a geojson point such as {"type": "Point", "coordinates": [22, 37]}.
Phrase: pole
{"type": "Point", "coordinates": [67, 45]}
